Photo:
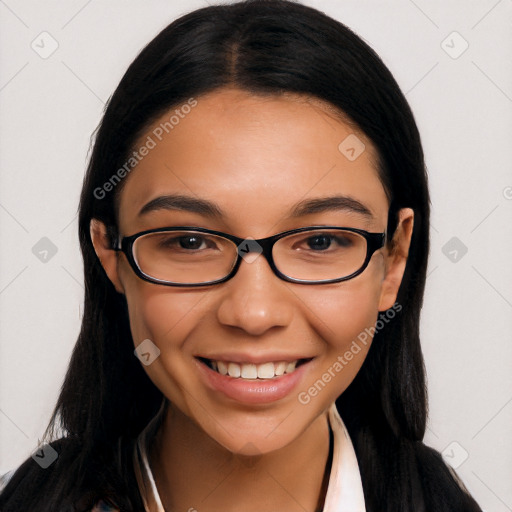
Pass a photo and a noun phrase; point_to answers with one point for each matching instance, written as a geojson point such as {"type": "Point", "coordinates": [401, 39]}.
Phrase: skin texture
{"type": "Point", "coordinates": [255, 157]}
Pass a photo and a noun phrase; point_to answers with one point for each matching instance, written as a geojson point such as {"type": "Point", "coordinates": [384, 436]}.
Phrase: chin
{"type": "Point", "coordinates": [253, 438]}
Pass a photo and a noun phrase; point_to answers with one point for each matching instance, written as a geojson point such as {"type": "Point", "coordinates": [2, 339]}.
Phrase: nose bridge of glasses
{"type": "Point", "coordinates": [249, 249]}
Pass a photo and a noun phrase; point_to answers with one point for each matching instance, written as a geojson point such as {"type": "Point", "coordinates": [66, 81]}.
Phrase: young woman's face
{"type": "Point", "coordinates": [256, 158]}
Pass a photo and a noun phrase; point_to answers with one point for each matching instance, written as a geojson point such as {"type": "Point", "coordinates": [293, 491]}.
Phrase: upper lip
{"type": "Point", "coordinates": [252, 358]}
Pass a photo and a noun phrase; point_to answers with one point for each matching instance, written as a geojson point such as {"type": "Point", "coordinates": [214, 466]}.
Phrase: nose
{"type": "Point", "coordinates": [255, 299]}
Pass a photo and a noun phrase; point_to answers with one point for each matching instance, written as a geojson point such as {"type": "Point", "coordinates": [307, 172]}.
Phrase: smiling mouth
{"type": "Point", "coordinates": [250, 371]}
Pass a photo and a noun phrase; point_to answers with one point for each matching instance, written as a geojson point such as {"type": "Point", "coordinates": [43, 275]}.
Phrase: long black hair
{"type": "Point", "coordinates": [265, 47]}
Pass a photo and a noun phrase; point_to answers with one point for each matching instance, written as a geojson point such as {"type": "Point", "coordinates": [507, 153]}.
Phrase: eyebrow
{"type": "Point", "coordinates": [212, 210]}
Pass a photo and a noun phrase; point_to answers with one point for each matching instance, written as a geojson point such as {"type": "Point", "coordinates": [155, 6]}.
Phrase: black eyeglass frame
{"type": "Point", "coordinates": [374, 242]}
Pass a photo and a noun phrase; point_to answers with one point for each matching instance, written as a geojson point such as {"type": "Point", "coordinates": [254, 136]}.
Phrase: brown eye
{"type": "Point", "coordinates": [183, 242]}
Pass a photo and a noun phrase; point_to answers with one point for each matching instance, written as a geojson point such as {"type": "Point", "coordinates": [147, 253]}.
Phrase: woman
{"type": "Point", "coordinates": [254, 223]}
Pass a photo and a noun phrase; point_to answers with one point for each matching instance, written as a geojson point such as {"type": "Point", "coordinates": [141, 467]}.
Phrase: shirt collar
{"type": "Point", "coordinates": [344, 492]}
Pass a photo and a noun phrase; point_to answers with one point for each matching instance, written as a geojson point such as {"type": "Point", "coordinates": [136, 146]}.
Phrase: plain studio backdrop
{"type": "Point", "coordinates": [61, 61]}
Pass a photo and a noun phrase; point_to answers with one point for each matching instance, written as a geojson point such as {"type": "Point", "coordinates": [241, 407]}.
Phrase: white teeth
{"type": "Point", "coordinates": [281, 368]}
{"type": "Point", "coordinates": [249, 371]}
{"type": "Point", "coordinates": [291, 367]}
{"type": "Point", "coordinates": [222, 368]}
{"type": "Point", "coordinates": [254, 371]}
{"type": "Point", "coordinates": [234, 370]}
{"type": "Point", "coordinates": [266, 371]}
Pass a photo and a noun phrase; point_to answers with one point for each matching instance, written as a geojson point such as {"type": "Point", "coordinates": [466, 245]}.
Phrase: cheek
{"type": "Point", "coordinates": [166, 317]}
{"type": "Point", "coordinates": [343, 310]}
{"type": "Point", "coordinates": [162, 314]}
{"type": "Point", "coordinates": [159, 313]}
{"type": "Point", "coordinates": [344, 316]}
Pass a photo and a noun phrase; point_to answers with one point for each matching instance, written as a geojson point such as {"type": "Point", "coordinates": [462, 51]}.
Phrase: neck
{"type": "Point", "coordinates": [194, 472]}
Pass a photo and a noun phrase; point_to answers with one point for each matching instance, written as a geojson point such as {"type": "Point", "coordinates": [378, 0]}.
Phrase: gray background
{"type": "Point", "coordinates": [51, 103]}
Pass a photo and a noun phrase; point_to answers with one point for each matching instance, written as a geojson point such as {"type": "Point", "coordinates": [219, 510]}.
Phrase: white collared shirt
{"type": "Point", "coordinates": [344, 492]}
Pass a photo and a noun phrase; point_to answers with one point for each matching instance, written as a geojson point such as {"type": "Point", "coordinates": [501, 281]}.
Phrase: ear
{"type": "Point", "coordinates": [107, 256]}
{"type": "Point", "coordinates": [396, 259]}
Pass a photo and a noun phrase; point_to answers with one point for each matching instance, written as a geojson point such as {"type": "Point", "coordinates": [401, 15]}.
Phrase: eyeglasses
{"type": "Point", "coordinates": [193, 256]}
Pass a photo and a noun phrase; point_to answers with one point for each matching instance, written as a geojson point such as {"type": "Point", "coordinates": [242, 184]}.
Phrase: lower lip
{"type": "Point", "coordinates": [261, 391]}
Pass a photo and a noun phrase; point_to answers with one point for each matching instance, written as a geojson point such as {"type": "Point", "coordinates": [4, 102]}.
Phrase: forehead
{"type": "Point", "coordinates": [254, 156]}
